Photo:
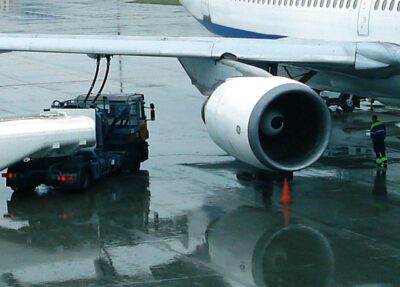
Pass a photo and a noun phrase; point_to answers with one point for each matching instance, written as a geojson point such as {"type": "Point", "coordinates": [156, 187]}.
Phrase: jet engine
{"type": "Point", "coordinates": [270, 123]}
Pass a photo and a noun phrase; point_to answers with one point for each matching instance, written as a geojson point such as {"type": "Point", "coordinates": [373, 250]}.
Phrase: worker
{"type": "Point", "coordinates": [378, 135]}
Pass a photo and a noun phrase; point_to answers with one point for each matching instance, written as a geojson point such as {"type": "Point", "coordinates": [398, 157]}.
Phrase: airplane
{"type": "Point", "coordinates": [261, 79]}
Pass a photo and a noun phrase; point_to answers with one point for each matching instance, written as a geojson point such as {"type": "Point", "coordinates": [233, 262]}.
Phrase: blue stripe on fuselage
{"type": "Point", "coordinates": [235, 33]}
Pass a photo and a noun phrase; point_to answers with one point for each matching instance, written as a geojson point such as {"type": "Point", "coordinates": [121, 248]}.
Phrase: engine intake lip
{"type": "Point", "coordinates": [317, 144]}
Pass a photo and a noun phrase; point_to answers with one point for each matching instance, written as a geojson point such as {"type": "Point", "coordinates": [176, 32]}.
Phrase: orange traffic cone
{"type": "Point", "coordinates": [286, 198]}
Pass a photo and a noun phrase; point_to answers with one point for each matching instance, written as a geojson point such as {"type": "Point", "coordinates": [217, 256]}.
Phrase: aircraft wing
{"type": "Point", "coordinates": [347, 55]}
{"type": "Point", "coordinates": [248, 108]}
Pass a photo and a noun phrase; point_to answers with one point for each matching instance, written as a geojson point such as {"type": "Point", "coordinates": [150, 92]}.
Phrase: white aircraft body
{"type": "Point", "coordinates": [368, 30]}
{"type": "Point", "coordinates": [252, 112]}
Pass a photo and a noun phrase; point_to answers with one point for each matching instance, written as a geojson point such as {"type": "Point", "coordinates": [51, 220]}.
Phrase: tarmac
{"type": "Point", "coordinates": [193, 216]}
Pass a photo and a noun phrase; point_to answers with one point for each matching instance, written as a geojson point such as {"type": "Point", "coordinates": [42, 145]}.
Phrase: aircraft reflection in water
{"type": "Point", "coordinates": [250, 246]}
{"type": "Point", "coordinates": [110, 236]}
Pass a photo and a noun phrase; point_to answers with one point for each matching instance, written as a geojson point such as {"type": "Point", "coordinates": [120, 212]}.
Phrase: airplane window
{"type": "Point", "coordinates": [355, 4]}
{"type": "Point", "coordinates": [348, 4]}
{"type": "Point", "coordinates": [309, 3]}
{"type": "Point", "coordinates": [391, 5]}
{"type": "Point", "coordinates": [285, 3]}
{"type": "Point", "coordinates": [376, 5]}
{"type": "Point", "coordinates": [269, 2]}
{"type": "Point", "coordinates": [398, 6]}
{"type": "Point", "coordinates": [303, 2]}
{"type": "Point", "coordinates": [328, 3]}
{"type": "Point", "coordinates": [297, 2]}
{"type": "Point", "coordinates": [384, 4]}
{"type": "Point", "coordinates": [280, 2]}
{"type": "Point", "coordinates": [315, 3]}
{"type": "Point", "coordinates": [321, 4]}
{"type": "Point", "coordinates": [334, 3]}
{"type": "Point", "coordinates": [341, 3]}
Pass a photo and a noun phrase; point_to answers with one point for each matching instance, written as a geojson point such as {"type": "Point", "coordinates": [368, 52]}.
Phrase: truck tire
{"type": "Point", "coordinates": [85, 180]}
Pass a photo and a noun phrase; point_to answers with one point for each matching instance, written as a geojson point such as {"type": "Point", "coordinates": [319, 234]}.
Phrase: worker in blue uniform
{"type": "Point", "coordinates": [378, 135]}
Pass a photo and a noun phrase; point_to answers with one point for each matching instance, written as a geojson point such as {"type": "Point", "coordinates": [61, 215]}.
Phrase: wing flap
{"type": "Point", "coordinates": [289, 51]}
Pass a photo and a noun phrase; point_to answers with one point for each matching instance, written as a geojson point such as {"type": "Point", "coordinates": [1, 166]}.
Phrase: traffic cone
{"type": "Point", "coordinates": [286, 198]}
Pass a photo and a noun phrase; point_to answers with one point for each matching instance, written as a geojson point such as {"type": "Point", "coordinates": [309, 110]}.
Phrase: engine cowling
{"type": "Point", "coordinates": [270, 123]}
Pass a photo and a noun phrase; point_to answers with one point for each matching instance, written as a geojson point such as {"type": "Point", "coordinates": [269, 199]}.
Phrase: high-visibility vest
{"type": "Point", "coordinates": [378, 130]}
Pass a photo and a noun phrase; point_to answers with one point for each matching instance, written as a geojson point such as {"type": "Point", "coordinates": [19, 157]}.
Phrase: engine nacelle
{"type": "Point", "coordinates": [270, 123]}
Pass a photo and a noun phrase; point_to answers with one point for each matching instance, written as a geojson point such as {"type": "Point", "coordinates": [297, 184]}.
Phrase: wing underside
{"type": "Point", "coordinates": [278, 51]}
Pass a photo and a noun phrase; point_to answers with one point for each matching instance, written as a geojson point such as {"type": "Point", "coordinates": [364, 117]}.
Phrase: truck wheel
{"type": "Point", "coordinates": [85, 180]}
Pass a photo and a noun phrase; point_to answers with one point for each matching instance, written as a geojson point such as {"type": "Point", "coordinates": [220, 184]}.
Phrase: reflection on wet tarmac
{"type": "Point", "coordinates": [113, 218]}
{"type": "Point", "coordinates": [380, 188]}
{"type": "Point", "coordinates": [251, 246]}
{"type": "Point", "coordinates": [113, 236]}
{"type": "Point", "coordinates": [112, 206]}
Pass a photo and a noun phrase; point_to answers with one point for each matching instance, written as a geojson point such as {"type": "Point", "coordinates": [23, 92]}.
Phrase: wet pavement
{"type": "Point", "coordinates": [193, 217]}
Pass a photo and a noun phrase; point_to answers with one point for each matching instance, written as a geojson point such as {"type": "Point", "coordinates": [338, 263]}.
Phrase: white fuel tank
{"type": "Point", "coordinates": [52, 134]}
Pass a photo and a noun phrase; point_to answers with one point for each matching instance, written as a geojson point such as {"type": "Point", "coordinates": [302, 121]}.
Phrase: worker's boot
{"type": "Point", "coordinates": [384, 160]}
